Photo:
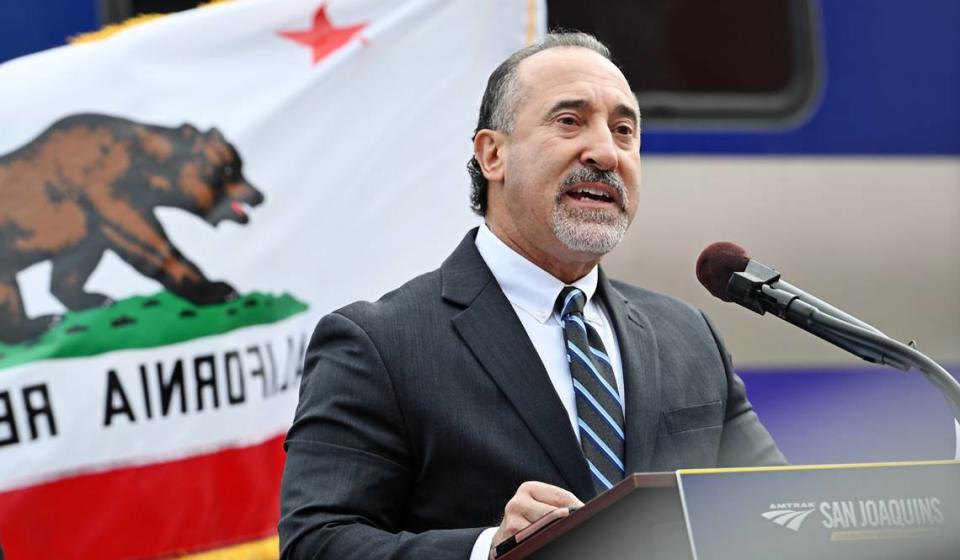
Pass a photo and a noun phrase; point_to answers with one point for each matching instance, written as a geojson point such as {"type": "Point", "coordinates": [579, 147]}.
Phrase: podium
{"type": "Point", "coordinates": [844, 512]}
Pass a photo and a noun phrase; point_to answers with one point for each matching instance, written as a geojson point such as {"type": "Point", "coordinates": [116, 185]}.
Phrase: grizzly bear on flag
{"type": "Point", "coordinates": [90, 183]}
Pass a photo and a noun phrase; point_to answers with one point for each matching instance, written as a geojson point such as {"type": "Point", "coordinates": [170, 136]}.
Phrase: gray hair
{"type": "Point", "coordinates": [502, 97]}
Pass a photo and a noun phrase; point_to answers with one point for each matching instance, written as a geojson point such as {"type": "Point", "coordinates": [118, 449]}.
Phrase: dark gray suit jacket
{"type": "Point", "coordinates": [421, 414]}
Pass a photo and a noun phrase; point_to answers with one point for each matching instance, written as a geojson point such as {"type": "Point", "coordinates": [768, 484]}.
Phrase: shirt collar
{"type": "Point", "coordinates": [525, 284]}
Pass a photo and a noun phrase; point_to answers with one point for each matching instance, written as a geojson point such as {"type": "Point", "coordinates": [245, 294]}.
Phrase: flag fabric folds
{"type": "Point", "coordinates": [181, 201]}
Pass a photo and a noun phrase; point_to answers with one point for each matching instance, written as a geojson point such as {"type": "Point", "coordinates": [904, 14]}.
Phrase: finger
{"type": "Point", "coordinates": [523, 509]}
{"type": "Point", "coordinates": [550, 495]}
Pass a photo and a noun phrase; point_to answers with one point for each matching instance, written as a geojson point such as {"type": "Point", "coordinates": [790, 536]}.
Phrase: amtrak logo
{"type": "Point", "coordinates": [789, 516]}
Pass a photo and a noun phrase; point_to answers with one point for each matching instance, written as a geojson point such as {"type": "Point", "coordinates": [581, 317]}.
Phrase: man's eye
{"type": "Point", "coordinates": [625, 130]}
{"type": "Point", "coordinates": [567, 120]}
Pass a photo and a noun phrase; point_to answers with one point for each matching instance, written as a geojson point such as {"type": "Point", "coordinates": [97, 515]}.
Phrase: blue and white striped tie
{"type": "Point", "coordinates": [599, 412]}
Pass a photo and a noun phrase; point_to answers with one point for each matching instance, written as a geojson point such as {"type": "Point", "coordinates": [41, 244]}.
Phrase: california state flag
{"type": "Point", "coordinates": [179, 203]}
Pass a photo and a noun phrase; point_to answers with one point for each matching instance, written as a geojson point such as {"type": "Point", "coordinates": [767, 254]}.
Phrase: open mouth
{"type": "Point", "coordinates": [593, 194]}
{"type": "Point", "coordinates": [239, 209]}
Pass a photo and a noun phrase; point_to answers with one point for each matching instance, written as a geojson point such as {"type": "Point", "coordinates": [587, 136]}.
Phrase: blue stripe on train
{"type": "Point", "coordinates": [852, 414]}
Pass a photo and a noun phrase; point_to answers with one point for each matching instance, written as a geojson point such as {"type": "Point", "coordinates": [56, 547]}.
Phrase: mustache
{"type": "Point", "coordinates": [593, 175]}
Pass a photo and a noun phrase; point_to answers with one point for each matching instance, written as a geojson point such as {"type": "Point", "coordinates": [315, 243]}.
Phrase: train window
{"type": "Point", "coordinates": [694, 62]}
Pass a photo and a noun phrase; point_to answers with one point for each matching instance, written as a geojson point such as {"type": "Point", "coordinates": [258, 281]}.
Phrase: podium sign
{"type": "Point", "coordinates": [890, 511]}
{"type": "Point", "coordinates": [895, 511]}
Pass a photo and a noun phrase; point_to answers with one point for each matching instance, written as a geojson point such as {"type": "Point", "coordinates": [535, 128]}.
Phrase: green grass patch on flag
{"type": "Point", "coordinates": [148, 322]}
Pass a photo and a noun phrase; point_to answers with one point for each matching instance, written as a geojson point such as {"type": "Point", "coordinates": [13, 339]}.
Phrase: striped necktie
{"type": "Point", "coordinates": [599, 413]}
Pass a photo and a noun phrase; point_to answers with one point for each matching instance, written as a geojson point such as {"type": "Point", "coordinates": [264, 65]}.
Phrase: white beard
{"type": "Point", "coordinates": [595, 231]}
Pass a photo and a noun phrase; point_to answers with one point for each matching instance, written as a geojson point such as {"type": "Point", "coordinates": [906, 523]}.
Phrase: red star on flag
{"type": "Point", "coordinates": [323, 38]}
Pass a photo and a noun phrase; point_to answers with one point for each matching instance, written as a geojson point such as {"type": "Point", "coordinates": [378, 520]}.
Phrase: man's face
{"type": "Point", "coordinates": [571, 165]}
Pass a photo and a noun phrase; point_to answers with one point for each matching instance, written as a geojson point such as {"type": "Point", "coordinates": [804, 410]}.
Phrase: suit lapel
{"type": "Point", "coordinates": [490, 328]}
{"type": "Point", "coordinates": [641, 376]}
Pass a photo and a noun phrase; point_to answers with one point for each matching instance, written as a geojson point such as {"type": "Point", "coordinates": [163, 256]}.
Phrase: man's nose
{"type": "Point", "coordinates": [600, 151]}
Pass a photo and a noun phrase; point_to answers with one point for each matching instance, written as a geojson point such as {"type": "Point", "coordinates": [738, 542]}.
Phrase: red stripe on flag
{"type": "Point", "coordinates": [161, 509]}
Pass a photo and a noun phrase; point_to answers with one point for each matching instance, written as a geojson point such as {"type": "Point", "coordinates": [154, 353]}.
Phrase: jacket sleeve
{"type": "Point", "coordinates": [349, 469]}
{"type": "Point", "coordinates": [744, 441]}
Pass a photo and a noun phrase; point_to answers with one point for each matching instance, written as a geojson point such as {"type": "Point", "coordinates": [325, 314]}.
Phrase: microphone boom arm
{"type": "Point", "coordinates": [891, 351]}
{"type": "Point", "coordinates": [759, 289]}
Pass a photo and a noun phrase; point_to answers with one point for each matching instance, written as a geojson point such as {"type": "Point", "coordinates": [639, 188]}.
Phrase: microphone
{"type": "Point", "coordinates": [728, 273]}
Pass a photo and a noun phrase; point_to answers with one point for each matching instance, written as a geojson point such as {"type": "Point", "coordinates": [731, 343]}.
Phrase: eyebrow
{"type": "Point", "coordinates": [620, 110]}
{"type": "Point", "coordinates": [627, 112]}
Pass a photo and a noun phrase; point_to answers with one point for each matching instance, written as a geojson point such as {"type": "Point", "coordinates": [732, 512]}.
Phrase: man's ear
{"type": "Point", "coordinates": [488, 149]}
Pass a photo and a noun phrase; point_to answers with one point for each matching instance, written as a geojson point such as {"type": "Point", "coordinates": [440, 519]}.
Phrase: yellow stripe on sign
{"type": "Point", "coordinates": [266, 549]}
{"type": "Point", "coordinates": [817, 467]}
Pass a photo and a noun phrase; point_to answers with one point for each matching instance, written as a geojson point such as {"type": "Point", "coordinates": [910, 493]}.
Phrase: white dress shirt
{"type": "Point", "coordinates": [533, 293]}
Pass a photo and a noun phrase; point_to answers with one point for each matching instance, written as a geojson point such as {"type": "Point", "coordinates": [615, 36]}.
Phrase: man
{"type": "Point", "coordinates": [516, 379]}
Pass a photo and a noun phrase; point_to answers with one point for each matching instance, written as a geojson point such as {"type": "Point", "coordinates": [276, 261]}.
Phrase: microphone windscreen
{"type": "Point", "coordinates": [717, 263]}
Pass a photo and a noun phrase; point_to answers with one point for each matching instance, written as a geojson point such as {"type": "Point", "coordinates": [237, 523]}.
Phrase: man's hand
{"type": "Point", "coordinates": [532, 501]}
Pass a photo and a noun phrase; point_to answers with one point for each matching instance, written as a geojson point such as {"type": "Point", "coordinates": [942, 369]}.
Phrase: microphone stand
{"type": "Point", "coordinates": [752, 288]}
{"type": "Point", "coordinates": [870, 345]}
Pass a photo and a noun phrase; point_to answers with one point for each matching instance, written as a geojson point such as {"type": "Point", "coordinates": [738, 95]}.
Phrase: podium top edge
{"type": "Point", "coordinates": [817, 467]}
